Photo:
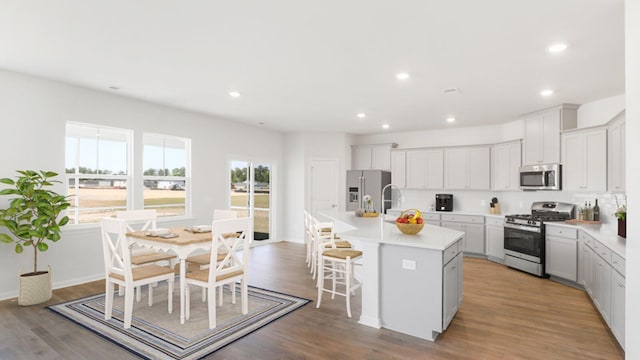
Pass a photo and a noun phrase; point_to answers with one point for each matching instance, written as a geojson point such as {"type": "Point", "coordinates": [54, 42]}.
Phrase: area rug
{"type": "Point", "coordinates": [156, 334]}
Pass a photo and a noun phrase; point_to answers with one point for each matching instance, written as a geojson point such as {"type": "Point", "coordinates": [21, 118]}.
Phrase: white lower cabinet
{"type": "Point", "coordinates": [473, 228]}
{"type": "Point", "coordinates": [602, 297]}
{"type": "Point", "coordinates": [617, 306]}
{"type": "Point", "coordinates": [604, 282]}
{"type": "Point", "coordinates": [494, 234]}
{"type": "Point", "coordinates": [561, 256]}
{"type": "Point", "coordinates": [452, 288]}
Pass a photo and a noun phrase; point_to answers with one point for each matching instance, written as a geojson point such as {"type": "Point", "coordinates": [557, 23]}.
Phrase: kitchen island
{"type": "Point", "coordinates": [411, 283]}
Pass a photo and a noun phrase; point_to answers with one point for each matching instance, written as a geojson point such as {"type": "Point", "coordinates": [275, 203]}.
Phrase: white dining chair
{"type": "Point", "coordinates": [335, 264]}
{"type": "Point", "coordinates": [119, 270]}
{"type": "Point", "coordinates": [202, 261]}
{"type": "Point", "coordinates": [139, 256]}
{"type": "Point", "coordinates": [227, 271]}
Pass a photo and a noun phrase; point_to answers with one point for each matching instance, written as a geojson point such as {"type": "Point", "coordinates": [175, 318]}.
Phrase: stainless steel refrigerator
{"type": "Point", "coordinates": [367, 182]}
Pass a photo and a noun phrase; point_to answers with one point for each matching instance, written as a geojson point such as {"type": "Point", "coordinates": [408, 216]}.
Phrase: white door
{"type": "Point", "coordinates": [323, 186]}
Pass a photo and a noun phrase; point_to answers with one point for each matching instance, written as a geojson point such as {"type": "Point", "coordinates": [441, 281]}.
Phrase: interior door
{"type": "Point", "coordinates": [323, 186]}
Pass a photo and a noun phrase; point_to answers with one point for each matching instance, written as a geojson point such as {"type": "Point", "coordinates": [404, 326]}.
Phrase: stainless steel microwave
{"type": "Point", "coordinates": [541, 177]}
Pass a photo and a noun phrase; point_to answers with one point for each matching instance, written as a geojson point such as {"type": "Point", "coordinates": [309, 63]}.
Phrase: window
{"type": "Point", "coordinates": [166, 174]}
{"type": "Point", "coordinates": [97, 165]}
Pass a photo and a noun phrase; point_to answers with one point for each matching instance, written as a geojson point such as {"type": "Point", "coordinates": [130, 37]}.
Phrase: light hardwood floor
{"type": "Point", "coordinates": [505, 314]}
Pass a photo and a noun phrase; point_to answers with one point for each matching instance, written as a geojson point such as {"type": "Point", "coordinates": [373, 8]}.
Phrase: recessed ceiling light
{"type": "Point", "coordinates": [547, 92]}
{"type": "Point", "coordinates": [361, 115]}
{"type": "Point", "coordinates": [385, 126]}
{"type": "Point", "coordinates": [403, 76]}
{"type": "Point", "coordinates": [560, 47]}
{"type": "Point", "coordinates": [451, 119]}
{"type": "Point", "coordinates": [234, 94]}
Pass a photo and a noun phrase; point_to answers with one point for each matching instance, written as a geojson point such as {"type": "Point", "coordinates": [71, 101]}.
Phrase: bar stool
{"type": "Point", "coordinates": [335, 264]}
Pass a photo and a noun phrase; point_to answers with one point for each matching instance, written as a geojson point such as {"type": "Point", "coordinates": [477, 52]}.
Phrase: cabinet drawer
{"type": "Point", "coordinates": [473, 219]}
{"type": "Point", "coordinates": [603, 251]}
{"type": "Point", "coordinates": [587, 239]}
{"type": "Point", "coordinates": [495, 221]}
{"type": "Point", "coordinates": [617, 262]}
{"type": "Point", "coordinates": [561, 231]}
{"type": "Point", "coordinates": [431, 216]}
{"type": "Point", "coordinates": [450, 252]}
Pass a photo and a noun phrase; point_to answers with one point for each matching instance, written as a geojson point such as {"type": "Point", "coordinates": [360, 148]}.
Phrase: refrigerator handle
{"type": "Point", "coordinates": [361, 194]}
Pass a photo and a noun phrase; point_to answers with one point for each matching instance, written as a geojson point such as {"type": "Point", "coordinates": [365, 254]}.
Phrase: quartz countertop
{"type": "Point", "coordinates": [466, 212]}
{"type": "Point", "coordinates": [607, 237]}
{"type": "Point", "coordinates": [384, 231]}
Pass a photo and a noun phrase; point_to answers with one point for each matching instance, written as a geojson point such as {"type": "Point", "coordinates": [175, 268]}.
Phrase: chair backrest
{"type": "Point", "coordinates": [149, 216]}
{"type": "Point", "coordinates": [323, 234]}
{"type": "Point", "coordinates": [224, 214]}
{"type": "Point", "coordinates": [117, 258]}
{"type": "Point", "coordinates": [235, 248]}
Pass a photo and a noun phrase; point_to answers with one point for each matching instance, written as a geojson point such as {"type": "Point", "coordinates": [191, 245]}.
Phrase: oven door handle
{"type": "Point", "coordinates": [523, 228]}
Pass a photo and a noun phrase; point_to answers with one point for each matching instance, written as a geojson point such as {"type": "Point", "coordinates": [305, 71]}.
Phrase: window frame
{"type": "Point", "coordinates": [75, 210]}
{"type": "Point", "coordinates": [186, 178]}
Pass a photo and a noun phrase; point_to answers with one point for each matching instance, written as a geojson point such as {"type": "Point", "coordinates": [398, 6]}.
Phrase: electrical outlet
{"type": "Point", "coordinates": [408, 264]}
{"type": "Point", "coordinates": [483, 202]}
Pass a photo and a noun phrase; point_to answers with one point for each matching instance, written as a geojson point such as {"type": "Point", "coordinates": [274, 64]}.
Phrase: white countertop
{"type": "Point", "coordinates": [378, 230]}
{"type": "Point", "coordinates": [607, 237]}
{"type": "Point", "coordinates": [470, 212]}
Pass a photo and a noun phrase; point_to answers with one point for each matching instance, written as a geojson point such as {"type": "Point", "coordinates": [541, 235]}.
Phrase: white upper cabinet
{"type": "Point", "coordinates": [467, 168]}
{"type": "Point", "coordinates": [416, 169]}
{"type": "Point", "coordinates": [435, 168]}
{"type": "Point", "coordinates": [584, 159]}
{"type": "Point", "coordinates": [507, 159]}
{"type": "Point", "coordinates": [616, 163]}
{"type": "Point", "coordinates": [424, 169]}
{"type": "Point", "coordinates": [399, 168]}
{"type": "Point", "coordinates": [371, 157]}
{"type": "Point", "coordinates": [542, 133]}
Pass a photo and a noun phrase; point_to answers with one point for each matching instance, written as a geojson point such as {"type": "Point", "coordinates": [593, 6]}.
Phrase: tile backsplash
{"type": "Point", "coordinates": [514, 202]}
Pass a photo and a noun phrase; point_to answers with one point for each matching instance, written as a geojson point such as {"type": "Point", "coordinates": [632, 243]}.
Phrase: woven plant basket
{"type": "Point", "coordinates": [34, 289]}
{"type": "Point", "coordinates": [409, 229]}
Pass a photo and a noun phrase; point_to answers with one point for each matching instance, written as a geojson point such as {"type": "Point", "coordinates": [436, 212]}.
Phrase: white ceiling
{"type": "Point", "coordinates": [313, 65]}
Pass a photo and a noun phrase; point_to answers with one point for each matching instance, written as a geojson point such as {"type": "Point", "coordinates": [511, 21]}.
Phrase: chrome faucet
{"type": "Point", "coordinates": [391, 199]}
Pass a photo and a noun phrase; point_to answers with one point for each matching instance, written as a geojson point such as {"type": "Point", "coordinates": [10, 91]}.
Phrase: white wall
{"type": "Point", "coordinates": [300, 149]}
{"type": "Point", "coordinates": [632, 81]}
{"type": "Point", "coordinates": [601, 111]}
{"type": "Point", "coordinates": [33, 113]}
{"type": "Point", "coordinates": [294, 187]}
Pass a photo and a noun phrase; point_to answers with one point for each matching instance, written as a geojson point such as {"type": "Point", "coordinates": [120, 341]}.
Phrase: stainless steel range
{"type": "Point", "coordinates": [524, 241]}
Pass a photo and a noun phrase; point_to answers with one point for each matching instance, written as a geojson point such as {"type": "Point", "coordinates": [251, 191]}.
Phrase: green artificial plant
{"type": "Point", "coordinates": [32, 215]}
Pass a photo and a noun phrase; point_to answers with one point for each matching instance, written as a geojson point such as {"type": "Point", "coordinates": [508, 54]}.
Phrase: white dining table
{"type": "Point", "coordinates": [183, 245]}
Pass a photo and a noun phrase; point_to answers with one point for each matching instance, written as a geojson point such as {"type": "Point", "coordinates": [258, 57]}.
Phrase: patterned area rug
{"type": "Point", "coordinates": [156, 334]}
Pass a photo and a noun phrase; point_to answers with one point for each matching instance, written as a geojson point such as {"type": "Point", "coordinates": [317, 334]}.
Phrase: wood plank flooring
{"type": "Point", "coordinates": [505, 314]}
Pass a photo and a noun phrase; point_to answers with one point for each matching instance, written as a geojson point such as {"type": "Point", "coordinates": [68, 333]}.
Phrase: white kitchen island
{"type": "Point", "coordinates": [411, 283]}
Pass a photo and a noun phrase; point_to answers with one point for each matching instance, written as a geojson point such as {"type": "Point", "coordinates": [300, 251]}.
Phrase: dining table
{"type": "Point", "coordinates": [183, 245]}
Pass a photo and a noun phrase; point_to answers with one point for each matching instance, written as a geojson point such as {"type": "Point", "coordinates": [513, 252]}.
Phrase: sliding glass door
{"type": "Point", "coordinates": [250, 194]}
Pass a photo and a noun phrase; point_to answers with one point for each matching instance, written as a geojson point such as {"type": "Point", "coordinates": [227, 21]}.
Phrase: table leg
{"type": "Point", "coordinates": [183, 276]}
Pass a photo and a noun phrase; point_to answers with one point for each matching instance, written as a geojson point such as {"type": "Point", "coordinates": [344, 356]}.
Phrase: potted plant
{"type": "Point", "coordinates": [32, 219]}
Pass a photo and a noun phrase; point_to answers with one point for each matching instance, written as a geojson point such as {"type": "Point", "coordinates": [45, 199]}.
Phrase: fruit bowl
{"type": "Point", "coordinates": [410, 229]}
{"type": "Point", "coordinates": [410, 222]}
